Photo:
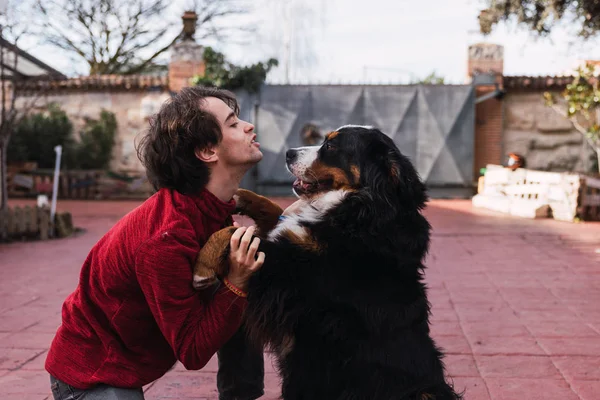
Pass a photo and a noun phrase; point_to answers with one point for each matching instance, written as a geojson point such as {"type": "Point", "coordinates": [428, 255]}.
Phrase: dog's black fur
{"type": "Point", "coordinates": [350, 320]}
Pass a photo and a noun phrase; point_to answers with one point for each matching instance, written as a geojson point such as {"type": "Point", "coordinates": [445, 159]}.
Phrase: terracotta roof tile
{"type": "Point", "coordinates": [98, 82]}
{"type": "Point", "coordinates": [536, 82]}
{"type": "Point", "coordinates": [142, 82]}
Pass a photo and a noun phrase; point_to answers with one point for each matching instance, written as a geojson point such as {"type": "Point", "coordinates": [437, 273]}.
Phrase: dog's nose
{"type": "Point", "coordinates": [291, 155]}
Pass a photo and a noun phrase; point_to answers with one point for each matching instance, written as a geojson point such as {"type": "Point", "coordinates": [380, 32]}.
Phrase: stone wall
{"type": "Point", "coordinates": [131, 108]}
{"type": "Point", "coordinates": [546, 140]}
{"type": "Point", "coordinates": [520, 122]}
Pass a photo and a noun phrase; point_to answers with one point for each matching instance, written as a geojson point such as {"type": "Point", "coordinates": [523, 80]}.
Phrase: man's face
{"type": "Point", "coordinates": [238, 146]}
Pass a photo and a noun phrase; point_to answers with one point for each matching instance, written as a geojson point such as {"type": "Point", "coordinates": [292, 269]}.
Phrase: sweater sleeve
{"type": "Point", "coordinates": [195, 326]}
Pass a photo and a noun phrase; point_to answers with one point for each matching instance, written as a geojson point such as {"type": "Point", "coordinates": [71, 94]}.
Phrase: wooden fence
{"type": "Point", "coordinates": [26, 222]}
{"type": "Point", "coordinates": [76, 184]}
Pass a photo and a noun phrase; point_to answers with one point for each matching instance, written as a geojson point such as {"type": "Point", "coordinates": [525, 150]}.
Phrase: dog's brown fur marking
{"type": "Point", "coordinates": [286, 346]}
{"type": "Point", "coordinates": [332, 135]}
{"type": "Point", "coordinates": [307, 242]}
{"type": "Point", "coordinates": [339, 178]}
{"type": "Point", "coordinates": [395, 172]}
{"type": "Point", "coordinates": [356, 173]}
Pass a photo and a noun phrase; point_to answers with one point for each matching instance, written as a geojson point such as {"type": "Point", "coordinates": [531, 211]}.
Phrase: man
{"type": "Point", "coordinates": [134, 312]}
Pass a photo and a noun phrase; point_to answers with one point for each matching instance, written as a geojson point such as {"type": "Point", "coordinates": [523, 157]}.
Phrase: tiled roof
{"type": "Point", "coordinates": [98, 82]}
{"type": "Point", "coordinates": [142, 82]}
{"type": "Point", "coordinates": [536, 82]}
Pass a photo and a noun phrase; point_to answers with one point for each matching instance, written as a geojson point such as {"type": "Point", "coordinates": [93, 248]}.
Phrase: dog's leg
{"type": "Point", "coordinates": [212, 259]}
{"type": "Point", "coordinates": [263, 211]}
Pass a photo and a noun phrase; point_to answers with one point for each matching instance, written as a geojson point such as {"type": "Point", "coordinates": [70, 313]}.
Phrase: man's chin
{"type": "Point", "coordinates": [256, 158]}
{"type": "Point", "coordinates": [255, 155]}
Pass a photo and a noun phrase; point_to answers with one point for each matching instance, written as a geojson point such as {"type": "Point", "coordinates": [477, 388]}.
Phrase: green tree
{"type": "Point", "coordinates": [37, 135]}
{"type": "Point", "coordinates": [541, 16]}
{"type": "Point", "coordinates": [431, 79]}
{"type": "Point", "coordinates": [581, 105]}
{"type": "Point", "coordinates": [94, 151]}
{"type": "Point", "coordinates": [221, 73]}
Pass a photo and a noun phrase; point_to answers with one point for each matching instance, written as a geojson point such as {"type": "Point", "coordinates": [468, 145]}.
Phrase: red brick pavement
{"type": "Point", "coordinates": [515, 305]}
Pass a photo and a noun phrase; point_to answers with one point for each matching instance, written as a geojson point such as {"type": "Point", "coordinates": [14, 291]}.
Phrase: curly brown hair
{"type": "Point", "coordinates": [181, 126]}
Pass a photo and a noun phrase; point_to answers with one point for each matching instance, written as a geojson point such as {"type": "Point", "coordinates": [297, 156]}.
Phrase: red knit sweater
{"type": "Point", "coordinates": [134, 312]}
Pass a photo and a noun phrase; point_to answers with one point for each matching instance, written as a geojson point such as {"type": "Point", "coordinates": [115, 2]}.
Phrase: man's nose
{"type": "Point", "coordinates": [291, 155]}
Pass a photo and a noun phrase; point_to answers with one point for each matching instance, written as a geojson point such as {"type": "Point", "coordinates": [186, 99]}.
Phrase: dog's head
{"type": "Point", "coordinates": [356, 159]}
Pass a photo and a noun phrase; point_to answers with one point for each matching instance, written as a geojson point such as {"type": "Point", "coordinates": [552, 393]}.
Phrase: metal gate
{"type": "Point", "coordinates": [431, 124]}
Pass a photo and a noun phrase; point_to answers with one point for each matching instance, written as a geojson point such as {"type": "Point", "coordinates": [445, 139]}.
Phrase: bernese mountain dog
{"type": "Point", "coordinates": [340, 298]}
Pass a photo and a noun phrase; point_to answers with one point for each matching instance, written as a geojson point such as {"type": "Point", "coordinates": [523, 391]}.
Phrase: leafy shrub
{"type": "Point", "coordinates": [37, 135]}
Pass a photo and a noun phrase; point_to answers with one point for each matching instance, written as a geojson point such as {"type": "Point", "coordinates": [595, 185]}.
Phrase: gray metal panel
{"type": "Point", "coordinates": [432, 124]}
{"type": "Point", "coordinates": [248, 104]}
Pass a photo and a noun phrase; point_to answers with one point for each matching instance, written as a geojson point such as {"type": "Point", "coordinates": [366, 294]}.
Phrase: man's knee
{"type": "Point", "coordinates": [114, 393]}
{"type": "Point", "coordinates": [64, 391]}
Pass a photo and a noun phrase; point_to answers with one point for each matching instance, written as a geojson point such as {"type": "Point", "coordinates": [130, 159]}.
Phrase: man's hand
{"type": "Point", "coordinates": [243, 258]}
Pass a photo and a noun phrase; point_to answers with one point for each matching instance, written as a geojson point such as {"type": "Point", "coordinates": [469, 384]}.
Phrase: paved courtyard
{"type": "Point", "coordinates": [516, 305]}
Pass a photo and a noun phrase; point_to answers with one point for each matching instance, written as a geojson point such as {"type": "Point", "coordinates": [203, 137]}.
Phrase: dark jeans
{"type": "Point", "coordinates": [240, 377]}
{"type": "Point", "coordinates": [62, 391]}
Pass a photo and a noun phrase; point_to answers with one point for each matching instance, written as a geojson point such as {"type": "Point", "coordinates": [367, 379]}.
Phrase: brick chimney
{"type": "Point", "coordinates": [186, 55]}
{"type": "Point", "coordinates": [485, 68]}
{"type": "Point", "coordinates": [485, 59]}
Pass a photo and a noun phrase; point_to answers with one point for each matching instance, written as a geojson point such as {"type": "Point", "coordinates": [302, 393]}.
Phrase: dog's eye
{"type": "Point", "coordinates": [329, 146]}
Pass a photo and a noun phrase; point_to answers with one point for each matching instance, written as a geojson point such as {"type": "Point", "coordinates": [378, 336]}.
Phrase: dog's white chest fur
{"type": "Point", "coordinates": [311, 211]}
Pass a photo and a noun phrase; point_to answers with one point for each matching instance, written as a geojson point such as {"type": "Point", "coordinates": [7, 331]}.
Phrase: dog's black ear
{"type": "Point", "coordinates": [405, 177]}
{"type": "Point", "coordinates": [392, 178]}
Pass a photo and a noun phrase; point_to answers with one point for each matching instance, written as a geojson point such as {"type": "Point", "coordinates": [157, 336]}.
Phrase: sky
{"type": "Point", "coordinates": [373, 41]}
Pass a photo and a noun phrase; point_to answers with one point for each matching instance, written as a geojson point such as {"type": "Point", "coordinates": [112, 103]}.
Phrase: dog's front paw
{"type": "Point", "coordinates": [263, 211]}
{"type": "Point", "coordinates": [243, 201]}
{"type": "Point", "coordinates": [204, 278]}
{"type": "Point", "coordinates": [212, 259]}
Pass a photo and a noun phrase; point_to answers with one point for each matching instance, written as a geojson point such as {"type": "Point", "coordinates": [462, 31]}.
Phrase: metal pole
{"type": "Point", "coordinates": [58, 150]}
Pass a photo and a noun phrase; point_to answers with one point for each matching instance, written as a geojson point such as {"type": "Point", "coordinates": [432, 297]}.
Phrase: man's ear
{"type": "Point", "coordinates": [207, 155]}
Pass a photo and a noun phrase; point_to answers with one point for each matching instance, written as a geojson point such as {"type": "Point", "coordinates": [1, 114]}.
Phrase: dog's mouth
{"type": "Point", "coordinates": [306, 187]}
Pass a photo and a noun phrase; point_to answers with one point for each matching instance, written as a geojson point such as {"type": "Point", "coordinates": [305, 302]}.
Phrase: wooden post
{"type": "Point", "coordinates": [11, 223]}
{"type": "Point", "coordinates": [44, 224]}
{"type": "Point", "coordinates": [69, 183]}
{"type": "Point", "coordinates": [594, 208]}
{"type": "Point", "coordinates": [30, 220]}
{"type": "Point", "coordinates": [4, 215]}
{"type": "Point", "coordinates": [21, 223]}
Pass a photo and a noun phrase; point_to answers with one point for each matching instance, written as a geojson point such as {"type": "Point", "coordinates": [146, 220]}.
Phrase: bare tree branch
{"type": "Point", "coordinates": [125, 32]}
{"type": "Point", "coordinates": [148, 61]}
{"type": "Point", "coordinates": [111, 35]}
{"type": "Point", "coordinates": [84, 18]}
